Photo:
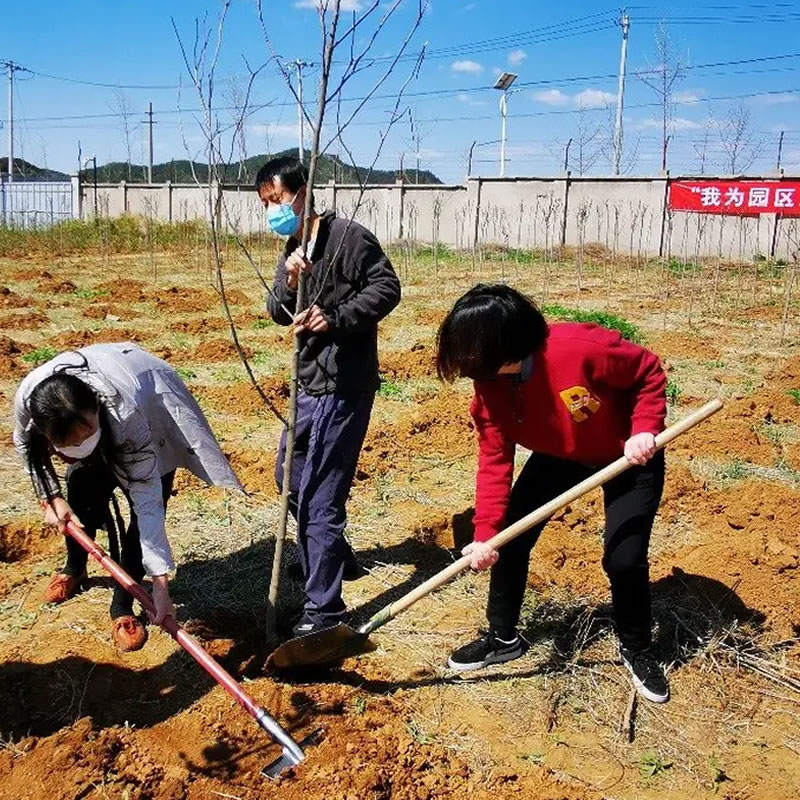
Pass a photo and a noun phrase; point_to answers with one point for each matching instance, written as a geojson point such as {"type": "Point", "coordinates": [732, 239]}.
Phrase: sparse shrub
{"type": "Point", "coordinates": [39, 356]}
{"type": "Point", "coordinates": [611, 321]}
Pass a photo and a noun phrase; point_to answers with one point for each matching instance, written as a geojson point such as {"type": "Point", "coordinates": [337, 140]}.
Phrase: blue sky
{"type": "Point", "coordinates": [566, 56]}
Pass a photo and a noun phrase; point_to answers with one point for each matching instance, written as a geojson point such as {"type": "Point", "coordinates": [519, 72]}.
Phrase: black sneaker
{"type": "Point", "coordinates": [307, 625]}
{"type": "Point", "coordinates": [487, 649]}
{"type": "Point", "coordinates": [647, 674]}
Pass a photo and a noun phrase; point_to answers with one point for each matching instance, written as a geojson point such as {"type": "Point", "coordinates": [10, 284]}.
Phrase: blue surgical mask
{"type": "Point", "coordinates": [282, 219]}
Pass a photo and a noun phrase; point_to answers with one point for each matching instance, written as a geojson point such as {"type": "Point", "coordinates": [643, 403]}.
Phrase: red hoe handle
{"type": "Point", "coordinates": [293, 754]}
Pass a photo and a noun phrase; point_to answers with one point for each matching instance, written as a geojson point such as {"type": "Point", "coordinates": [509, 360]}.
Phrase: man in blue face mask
{"type": "Point", "coordinates": [350, 286]}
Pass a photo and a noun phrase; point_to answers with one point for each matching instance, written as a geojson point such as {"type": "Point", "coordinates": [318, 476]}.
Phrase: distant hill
{"type": "Point", "coordinates": [244, 172]}
{"type": "Point", "coordinates": [24, 170]}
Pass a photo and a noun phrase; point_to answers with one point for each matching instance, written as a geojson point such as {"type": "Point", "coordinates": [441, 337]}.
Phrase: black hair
{"type": "Point", "coordinates": [56, 405]}
{"type": "Point", "coordinates": [489, 326]}
{"type": "Point", "coordinates": [291, 171]}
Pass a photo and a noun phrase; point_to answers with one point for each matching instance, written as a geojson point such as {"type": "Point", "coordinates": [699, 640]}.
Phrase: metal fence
{"type": "Point", "coordinates": [35, 204]}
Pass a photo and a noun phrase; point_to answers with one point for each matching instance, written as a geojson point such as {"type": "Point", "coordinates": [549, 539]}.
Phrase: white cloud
{"type": "Point", "coordinates": [675, 124]}
{"type": "Point", "coordinates": [688, 97]}
{"type": "Point", "coordinates": [469, 101]}
{"type": "Point", "coordinates": [472, 67]}
{"type": "Point", "coordinates": [778, 99]}
{"type": "Point", "coordinates": [346, 5]}
{"type": "Point", "coordinates": [594, 98]}
{"type": "Point", "coordinates": [275, 130]}
{"type": "Point", "coordinates": [552, 97]}
{"type": "Point", "coordinates": [517, 56]}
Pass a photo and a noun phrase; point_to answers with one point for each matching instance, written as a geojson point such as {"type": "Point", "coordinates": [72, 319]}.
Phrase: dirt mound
{"type": "Point", "coordinates": [418, 362]}
{"type": "Point", "coordinates": [27, 320]}
{"type": "Point", "coordinates": [242, 398]}
{"type": "Point", "coordinates": [445, 530]}
{"type": "Point", "coordinates": [182, 299]}
{"type": "Point", "coordinates": [9, 299]}
{"type": "Point", "coordinates": [31, 275]}
{"type": "Point", "coordinates": [10, 363]}
{"type": "Point", "coordinates": [679, 345]}
{"type": "Point", "coordinates": [20, 541]}
{"type": "Point", "coordinates": [53, 285]}
{"type": "Point", "coordinates": [373, 755]}
{"type": "Point", "coordinates": [103, 310]}
{"type": "Point", "coordinates": [437, 427]}
{"type": "Point", "coordinates": [430, 316]}
{"type": "Point", "coordinates": [214, 350]}
{"type": "Point", "coordinates": [124, 290]}
{"type": "Point", "coordinates": [255, 469]}
{"type": "Point", "coordinates": [72, 340]}
{"type": "Point", "coordinates": [194, 327]}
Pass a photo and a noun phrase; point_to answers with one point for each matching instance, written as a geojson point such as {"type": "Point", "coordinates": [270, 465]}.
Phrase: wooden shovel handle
{"type": "Point", "coordinates": [540, 514]}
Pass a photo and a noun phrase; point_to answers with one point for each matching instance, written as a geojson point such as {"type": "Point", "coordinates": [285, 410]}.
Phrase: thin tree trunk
{"type": "Point", "coordinates": [280, 536]}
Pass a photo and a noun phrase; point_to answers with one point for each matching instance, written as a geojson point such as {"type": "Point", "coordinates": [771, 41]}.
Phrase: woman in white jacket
{"type": "Point", "coordinates": [119, 417]}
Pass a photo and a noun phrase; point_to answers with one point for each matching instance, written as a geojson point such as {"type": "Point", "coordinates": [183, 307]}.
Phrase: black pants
{"type": "Point", "coordinates": [89, 491]}
{"type": "Point", "coordinates": [631, 502]}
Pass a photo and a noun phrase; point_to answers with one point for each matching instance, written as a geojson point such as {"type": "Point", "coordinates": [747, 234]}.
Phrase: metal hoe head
{"type": "Point", "coordinates": [292, 755]}
{"type": "Point", "coordinates": [321, 648]}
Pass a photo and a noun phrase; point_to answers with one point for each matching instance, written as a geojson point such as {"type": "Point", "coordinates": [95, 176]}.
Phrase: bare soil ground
{"type": "Point", "coordinates": [83, 721]}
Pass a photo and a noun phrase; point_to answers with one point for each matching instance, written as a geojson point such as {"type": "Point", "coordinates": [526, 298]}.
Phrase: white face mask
{"type": "Point", "coordinates": [82, 450]}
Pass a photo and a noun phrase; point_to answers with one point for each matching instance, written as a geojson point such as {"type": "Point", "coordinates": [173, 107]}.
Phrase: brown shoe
{"type": "Point", "coordinates": [128, 633]}
{"type": "Point", "coordinates": [62, 587]}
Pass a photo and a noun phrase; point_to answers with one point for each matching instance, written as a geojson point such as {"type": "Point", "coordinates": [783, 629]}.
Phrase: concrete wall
{"type": "Point", "coordinates": [625, 214]}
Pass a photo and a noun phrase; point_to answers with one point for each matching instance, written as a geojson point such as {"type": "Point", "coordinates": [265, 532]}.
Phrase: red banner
{"type": "Point", "coordinates": [736, 197]}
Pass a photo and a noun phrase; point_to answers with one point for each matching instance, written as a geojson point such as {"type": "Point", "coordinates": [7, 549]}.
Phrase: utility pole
{"type": "Point", "coordinates": [566, 155]}
{"type": "Point", "coordinates": [150, 136]}
{"type": "Point", "coordinates": [300, 115]}
{"type": "Point", "coordinates": [664, 154]}
{"type": "Point", "coordinates": [625, 22]}
{"type": "Point", "coordinates": [780, 152]}
{"type": "Point", "coordinates": [12, 68]}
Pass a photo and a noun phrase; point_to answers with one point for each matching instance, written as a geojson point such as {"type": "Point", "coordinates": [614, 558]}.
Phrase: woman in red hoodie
{"type": "Point", "coordinates": [578, 396]}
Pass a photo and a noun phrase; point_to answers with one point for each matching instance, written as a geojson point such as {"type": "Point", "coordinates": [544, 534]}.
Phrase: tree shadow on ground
{"type": "Point", "coordinates": [222, 601]}
{"type": "Point", "coordinates": [223, 598]}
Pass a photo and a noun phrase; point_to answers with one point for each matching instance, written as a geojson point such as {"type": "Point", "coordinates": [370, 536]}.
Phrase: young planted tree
{"type": "Point", "coordinates": [741, 145]}
{"type": "Point", "coordinates": [663, 78]}
{"type": "Point", "coordinates": [353, 38]}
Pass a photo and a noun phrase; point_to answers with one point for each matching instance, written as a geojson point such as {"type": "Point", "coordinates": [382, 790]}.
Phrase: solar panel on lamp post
{"type": "Point", "coordinates": [503, 83]}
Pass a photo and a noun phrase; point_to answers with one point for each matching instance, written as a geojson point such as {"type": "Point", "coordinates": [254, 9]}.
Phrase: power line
{"type": "Point", "coordinates": [466, 90]}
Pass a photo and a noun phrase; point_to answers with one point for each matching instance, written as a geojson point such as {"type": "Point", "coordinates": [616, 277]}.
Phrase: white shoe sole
{"type": "Point", "coordinates": [642, 689]}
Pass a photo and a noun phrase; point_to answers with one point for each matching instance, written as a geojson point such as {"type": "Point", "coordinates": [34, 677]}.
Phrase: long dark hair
{"type": "Point", "coordinates": [56, 405]}
{"type": "Point", "coordinates": [489, 326]}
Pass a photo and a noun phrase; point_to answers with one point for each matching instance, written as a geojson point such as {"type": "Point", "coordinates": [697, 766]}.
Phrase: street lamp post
{"type": "Point", "coordinates": [503, 83]}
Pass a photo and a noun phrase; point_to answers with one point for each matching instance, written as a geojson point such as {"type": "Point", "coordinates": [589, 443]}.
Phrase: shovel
{"type": "Point", "coordinates": [334, 644]}
{"type": "Point", "coordinates": [292, 751]}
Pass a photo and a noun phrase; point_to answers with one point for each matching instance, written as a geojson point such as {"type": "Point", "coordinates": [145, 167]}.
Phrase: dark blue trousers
{"type": "Point", "coordinates": [329, 434]}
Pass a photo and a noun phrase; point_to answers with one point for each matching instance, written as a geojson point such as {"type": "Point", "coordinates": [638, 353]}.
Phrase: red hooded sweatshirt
{"type": "Point", "coordinates": [588, 391]}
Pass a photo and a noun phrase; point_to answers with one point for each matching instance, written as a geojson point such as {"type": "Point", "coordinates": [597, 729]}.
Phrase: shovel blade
{"type": "Point", "coordinates": [321, 648]}
{"type": "Point", "coordinates": [287, 759]}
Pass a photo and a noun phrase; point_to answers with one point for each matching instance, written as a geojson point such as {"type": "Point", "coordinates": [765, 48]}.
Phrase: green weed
{"type": "Point", "coordinates": [794, 394]}
{"type": "Point", "coordinates": [186, 373]}
{"type": "Point", "coordinates": [611, 321]}
{"type": "Point", "coordinates": [673, 392]}
{"type": "Point", "coordinates": [263, 322]}
{"type": "Point", "coordinates": [90, 294]}
{"type": "Point", "coordinates": [651, 765]}
{"type": "Point", "coordinates": [359, 705]}
{"type": "Point", "coordinates": [534, 758]}
{"type": "Point", "coordinates": [681, 268]}
{"type": "Point", "coordinates": [735, 470]}
{"type": "Point", "coordinates": [718, 774]}
{"type": "Point", "coordinates": [39, 355]}
{"type": "Point", "coordinates": [390, 389]}
{"type": "Point", "coordinates": [416, 732]}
